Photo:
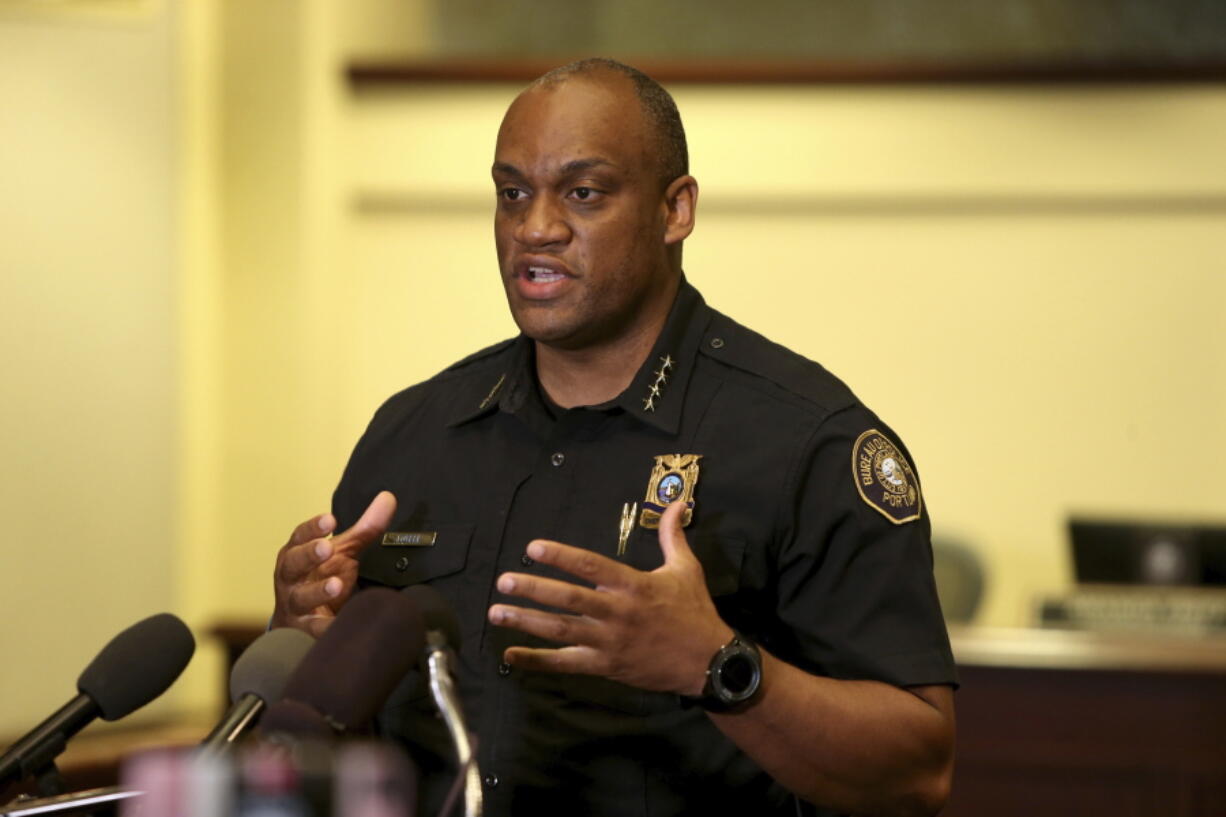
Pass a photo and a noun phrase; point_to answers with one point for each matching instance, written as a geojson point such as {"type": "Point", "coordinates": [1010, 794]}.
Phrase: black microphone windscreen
{"type": "Point", "coordinates": [266, 666]}
{"type": "Point", "coordinates": [137, 665]}
{"type": "Point", "coordinates": [436, 611]}
{"type": "Point", "coordinates": [360, 658]}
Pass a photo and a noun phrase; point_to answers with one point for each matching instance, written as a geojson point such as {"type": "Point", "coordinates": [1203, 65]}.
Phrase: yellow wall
{"type": "Point", "coordinates": [88, 347]}
{"type": "Point", "coordinates": [1025, 282]}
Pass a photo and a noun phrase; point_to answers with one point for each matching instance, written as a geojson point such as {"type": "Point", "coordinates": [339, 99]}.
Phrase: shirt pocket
{"type": "Point", "coordinates": [722, 556]}
{"type": "Point", "coordinates": [430, 551]}
{"type": "Point", "coordinates": [722, 559]}
{"type": "Point", "coordinates": [420, 553]}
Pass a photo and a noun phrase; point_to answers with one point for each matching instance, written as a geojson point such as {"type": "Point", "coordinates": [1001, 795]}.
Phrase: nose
{"type": "Point", "coordinates": [542, 224]}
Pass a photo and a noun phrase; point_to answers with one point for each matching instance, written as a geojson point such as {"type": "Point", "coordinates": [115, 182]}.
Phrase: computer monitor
{"type": "Point", "coordinates": [1130, 552]}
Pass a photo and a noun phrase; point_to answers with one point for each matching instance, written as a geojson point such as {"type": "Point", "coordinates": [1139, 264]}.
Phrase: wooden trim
{"type": "Point", "coordinates": [1038, 649]}
{"type": "Point", "coordinates": [376, 73]}
{"type": "Point", "coordinates": [399, 202]}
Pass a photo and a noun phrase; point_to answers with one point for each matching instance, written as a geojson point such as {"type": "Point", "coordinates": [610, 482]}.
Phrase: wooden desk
{"type": "Point", "coordinates": [1062, 723]}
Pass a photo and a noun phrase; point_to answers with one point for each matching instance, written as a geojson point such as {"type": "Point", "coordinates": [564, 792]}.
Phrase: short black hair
{"type": "Point", "coordinates": [658, 105]}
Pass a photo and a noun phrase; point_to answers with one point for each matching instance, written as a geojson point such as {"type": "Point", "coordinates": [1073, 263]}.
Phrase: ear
{"type": "Point", "coordinates": [680, 201]}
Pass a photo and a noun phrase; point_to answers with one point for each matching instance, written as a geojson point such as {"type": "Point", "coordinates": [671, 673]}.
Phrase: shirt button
{"type": "Point", "coordinates": [491, 781]}
{"type": "Point", "coordinates": [526, 560]}
{"type": "Point", "coordinates": [504, 669]}
{"type": "Point", "coordinates": [558, 458]}
{"type": "Point", "coordinates": [717, 343]}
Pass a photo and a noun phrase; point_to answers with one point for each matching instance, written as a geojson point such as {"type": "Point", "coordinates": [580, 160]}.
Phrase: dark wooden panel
{"type": "Point", "coordinates": [1090, 742]}
{"type": "Point", "coordinates": [372, 73]}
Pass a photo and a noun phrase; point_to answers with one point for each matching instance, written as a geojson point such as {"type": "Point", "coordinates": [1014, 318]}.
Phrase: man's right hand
{"type": "Point", "coordinates": [316, 574]}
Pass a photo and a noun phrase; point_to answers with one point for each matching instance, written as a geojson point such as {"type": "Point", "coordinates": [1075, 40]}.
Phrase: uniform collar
{"type": "Point", "coordinates": [506, 387]}
{"type": "Point", "coordinates": [656, 395]}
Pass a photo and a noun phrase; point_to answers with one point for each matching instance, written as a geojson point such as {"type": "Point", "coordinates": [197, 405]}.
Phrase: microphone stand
{"type": "Point", "coordinates": [448, 702]}
{"type": "Point", "coordinates": [49, 781]}
{"type": "Point", "coordinates": [237, 722]}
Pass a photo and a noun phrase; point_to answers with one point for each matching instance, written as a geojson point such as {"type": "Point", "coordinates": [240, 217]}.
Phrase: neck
{"type": "Point", "coordinates": [589, 377]}
{"type": "Point", "coordinates": [596, 374]}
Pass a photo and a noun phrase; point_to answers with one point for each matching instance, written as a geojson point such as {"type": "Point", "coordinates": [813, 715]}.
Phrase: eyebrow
{"type": "Point", "coordinates": [580, 165]}
{"type": "Point", "coordinates": [507, 169]}
{"type": "Point", "coordinates": [569, 169]}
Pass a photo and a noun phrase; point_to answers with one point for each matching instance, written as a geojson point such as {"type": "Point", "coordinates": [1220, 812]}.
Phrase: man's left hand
{"type": "Point", "coordinates": [653, 630]}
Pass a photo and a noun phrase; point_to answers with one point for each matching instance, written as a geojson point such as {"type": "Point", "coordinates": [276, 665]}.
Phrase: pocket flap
{"type": "Point", "coordinates": [400, 558]}
{"type": "Point", "coordinates": [721, 557]}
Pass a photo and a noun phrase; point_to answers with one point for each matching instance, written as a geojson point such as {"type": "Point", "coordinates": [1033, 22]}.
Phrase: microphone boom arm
{"type": "Point", "coordinates": [448, 702]}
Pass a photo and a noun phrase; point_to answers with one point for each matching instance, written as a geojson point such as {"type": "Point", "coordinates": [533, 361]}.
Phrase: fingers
{"type": "Point", "coordinates": [553, 593]}
{"type": "Point", "coordinates": [306, 597]}
{"type": "Point", "coordinates": [591, 567]}
{"type": "Point", "coordinates": [313, 625]}
{"type": "Point", "coordinates": [372, 524]}
{"type": "Point", "coordinates": [591, 605]}
{"type": "Point", "coordinates": [313, 528]}
{"type": "Point", "coordinates": [316, 626]}
{"type": "Point", "coordinates": [564, 629]}
{"type": "Point", "coordinates": [314, 574]}
{"type": "Point", "coordinates": [673, 543]}
{"type": "Point", "coordinates": [298, 561]}
{"type": "Point", "coordinates": [582, 660]}
{"type": "Point", "coordinates": [308, 547]}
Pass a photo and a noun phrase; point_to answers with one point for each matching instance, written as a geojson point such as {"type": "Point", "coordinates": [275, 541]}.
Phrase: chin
{"type": "Point", "coordinates": [552, 336]}
{"type": "Point", "coordinates": [556, 335]}
{"type": "Point", "coordinates": [540, 326]}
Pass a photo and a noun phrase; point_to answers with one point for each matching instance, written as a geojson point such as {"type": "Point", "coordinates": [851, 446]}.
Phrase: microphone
{"type": "Point", "coordinates": [136, 666]}
{"type": "Point", "coordinates": [257, 680]}
{"type": "Point", "coordinates": [442, 635]}
{"type": "Point", "coordinates": [352, 669]}
{"type": "Point", "coordinates": [440, 619]}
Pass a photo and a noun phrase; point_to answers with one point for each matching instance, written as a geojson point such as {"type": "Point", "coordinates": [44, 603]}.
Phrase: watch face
{"type": "Point", "coordinates": [738, 676]}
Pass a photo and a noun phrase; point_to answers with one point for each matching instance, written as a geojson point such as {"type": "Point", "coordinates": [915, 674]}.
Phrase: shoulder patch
{"type": "Point", "coordinates": [884, 478]}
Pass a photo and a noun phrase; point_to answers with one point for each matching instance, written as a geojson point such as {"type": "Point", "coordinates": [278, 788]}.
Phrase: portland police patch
{"type": "Point", "coordinates": [884, 478]}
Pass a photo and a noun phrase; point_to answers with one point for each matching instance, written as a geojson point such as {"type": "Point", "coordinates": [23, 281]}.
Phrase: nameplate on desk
{"type": "Point", "coordinates": [415, 539]}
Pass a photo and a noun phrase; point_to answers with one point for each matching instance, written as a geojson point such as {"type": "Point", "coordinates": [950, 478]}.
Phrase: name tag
{"type": "Point", "coordinates": [417, 539]}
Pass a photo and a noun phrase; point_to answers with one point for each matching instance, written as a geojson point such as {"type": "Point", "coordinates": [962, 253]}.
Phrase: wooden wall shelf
{"type": "Point", "coordinates": [391, 72]}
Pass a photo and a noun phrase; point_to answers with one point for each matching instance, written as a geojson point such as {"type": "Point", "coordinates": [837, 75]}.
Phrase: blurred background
{"type": "Point", "coordinates": [229, 230]}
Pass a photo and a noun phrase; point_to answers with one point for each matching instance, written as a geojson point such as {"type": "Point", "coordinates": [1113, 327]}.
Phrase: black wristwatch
{"type": "Point", "coordinates": [733, 676]}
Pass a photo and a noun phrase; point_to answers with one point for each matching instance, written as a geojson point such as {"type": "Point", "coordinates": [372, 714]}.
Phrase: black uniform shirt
{"type": "Point", "coordinates": [806, 516]}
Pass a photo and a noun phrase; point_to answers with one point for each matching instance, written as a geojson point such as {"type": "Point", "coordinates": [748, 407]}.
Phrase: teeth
{"type": "Point", "coordinates": [543, 274]}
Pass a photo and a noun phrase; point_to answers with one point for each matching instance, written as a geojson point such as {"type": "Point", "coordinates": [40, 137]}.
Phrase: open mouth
{"type": "Point", "coordinates": [543, 275]}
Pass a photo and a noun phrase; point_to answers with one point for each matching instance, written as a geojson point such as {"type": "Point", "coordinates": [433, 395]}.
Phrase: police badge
{"type": "Point", "coordinates": [672, 479]}
{"type": "Point", "coordinates": [884, 478]}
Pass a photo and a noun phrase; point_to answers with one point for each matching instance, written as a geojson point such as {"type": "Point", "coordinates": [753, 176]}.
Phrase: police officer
{"type": "Point", "coordinates": [692, 569]}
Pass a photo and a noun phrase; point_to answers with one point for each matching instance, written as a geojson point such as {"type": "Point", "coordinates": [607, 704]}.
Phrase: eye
{"type": "Point", "coordinates": [585, 194]}
{"type": "Point", "coordinates": [510, 194]}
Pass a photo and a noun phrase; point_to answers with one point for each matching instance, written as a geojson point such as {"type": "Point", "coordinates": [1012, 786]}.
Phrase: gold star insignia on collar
{"type": "Point", "coordinates": [654, 390]}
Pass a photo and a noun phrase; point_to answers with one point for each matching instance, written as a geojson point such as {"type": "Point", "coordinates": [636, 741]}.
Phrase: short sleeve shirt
{"type": "Point", "coordinates": [805, 511]}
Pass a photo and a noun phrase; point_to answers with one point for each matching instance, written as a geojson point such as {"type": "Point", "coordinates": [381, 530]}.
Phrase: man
{"type": "Point", "coordinates": [692, 570]}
